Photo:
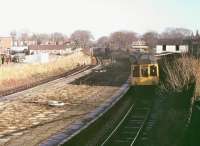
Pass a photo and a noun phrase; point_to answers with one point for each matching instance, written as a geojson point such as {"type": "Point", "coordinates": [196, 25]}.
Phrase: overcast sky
{"type": "Point", "coordinates": [101, 17]}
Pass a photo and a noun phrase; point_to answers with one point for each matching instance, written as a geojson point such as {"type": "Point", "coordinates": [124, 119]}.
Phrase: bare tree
{"type": "Point", "coordinates": [82, 38]}
{"type": "Point", "coordinates": [43, 37]}
{"type": "Point", "coordinates": [34, 37]}
{"type": "Point", "coordinates": [103, 42]}
{"type": "Point", "coordinates": [151, 38]}
{"type": "Point", "coordinates": [122, 40]}
{"type": "Point", "coordinates": [24, 37]}
{"type": "Point", "coordinates": [57, 37]}
{"type": "Point", "coordinates": [176, 33]}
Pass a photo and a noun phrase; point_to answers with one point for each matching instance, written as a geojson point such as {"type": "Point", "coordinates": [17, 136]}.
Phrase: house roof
{"type": "Point", "coordinates": [2, 37]}
{"type": "Point", "coordinates": [47, 47]}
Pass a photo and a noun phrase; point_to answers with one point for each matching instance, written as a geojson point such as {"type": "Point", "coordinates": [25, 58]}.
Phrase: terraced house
{"type": "Point", "coordinates": [5, 44]}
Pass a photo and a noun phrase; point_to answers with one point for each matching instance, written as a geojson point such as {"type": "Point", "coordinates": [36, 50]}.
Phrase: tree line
{"type": "Point", "coordinates": [116, 40]}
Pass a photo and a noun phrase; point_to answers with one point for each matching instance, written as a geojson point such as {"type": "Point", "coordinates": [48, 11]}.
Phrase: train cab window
{"type": "Point", "coordinates": [153, 70]}
{"type": "Point", "coordinates": [144, 71]}
{"type": "Point", "coordinates": [136, 71]}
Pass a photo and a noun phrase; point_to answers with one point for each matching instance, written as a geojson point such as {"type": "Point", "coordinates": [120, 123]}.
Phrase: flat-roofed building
{"type": "Point", "coordinates": [172, 46]}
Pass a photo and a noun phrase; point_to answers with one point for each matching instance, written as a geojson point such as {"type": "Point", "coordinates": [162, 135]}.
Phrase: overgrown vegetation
{"type": "Point", "coordinates": [178, 75]}
{"type": "Point", "coordinates": [12, 76]}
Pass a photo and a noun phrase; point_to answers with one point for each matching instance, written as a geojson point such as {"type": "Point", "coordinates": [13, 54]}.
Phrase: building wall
{"type": "Point", "coordinates": [5, 42]}
{"type": "Point", "coordinates": [47, 51]}
{"type": "Point", "coordinates": [66, 51]}
{"type": "Point", "coordinates": [172, 48]}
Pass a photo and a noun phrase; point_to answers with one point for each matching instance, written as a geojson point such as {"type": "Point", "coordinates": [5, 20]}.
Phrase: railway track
{"type": "Point", "coordinates": [128, 130]}
{"type": "Point", "coordinates": [40, 82]}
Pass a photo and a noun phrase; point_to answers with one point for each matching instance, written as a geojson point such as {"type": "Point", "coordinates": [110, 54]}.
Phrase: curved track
{"type": "Point", "coordinates": [40, 82]}
{"type": "Point", "coordinates": [127, 132]}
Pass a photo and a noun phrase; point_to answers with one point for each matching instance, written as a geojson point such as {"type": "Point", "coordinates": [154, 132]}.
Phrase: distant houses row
{"type": "Point", "coordinates": [190, 45]}
{"type": "Point", "coordinates": [7, 45]}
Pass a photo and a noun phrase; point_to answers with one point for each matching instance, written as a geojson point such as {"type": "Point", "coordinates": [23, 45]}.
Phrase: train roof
{"type": "Point", "coordinates": [143, 58]}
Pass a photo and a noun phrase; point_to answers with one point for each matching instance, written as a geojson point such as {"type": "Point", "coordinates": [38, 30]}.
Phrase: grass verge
{"type": "Point", "coordinates": [16, 75]}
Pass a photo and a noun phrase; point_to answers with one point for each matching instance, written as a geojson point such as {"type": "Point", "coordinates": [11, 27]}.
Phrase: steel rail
{"type": "Point", "coordinates": [119, 124]}
{"type": "Point", "coordinates": [43, 81]}
{"type": "Point", "coordinates": [140, 128]}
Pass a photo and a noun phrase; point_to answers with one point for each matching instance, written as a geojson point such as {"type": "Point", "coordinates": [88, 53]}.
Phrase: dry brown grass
{"type": "Point", "coordinates": [19, 74]}
{"type": "Point", "coordinates": [180, 73]}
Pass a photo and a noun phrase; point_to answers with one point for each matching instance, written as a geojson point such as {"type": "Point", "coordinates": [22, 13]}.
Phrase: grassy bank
{"type": "Point", "coordinates": [15, 75]}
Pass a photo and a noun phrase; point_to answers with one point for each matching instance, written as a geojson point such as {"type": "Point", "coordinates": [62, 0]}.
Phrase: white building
{"type": "Point", "coordinates": [139, 46]}
{"type": "Point", "coordinates": [19, 48]}
{"type": "Point", "coordinates": [51, 49]}
{"type": "Point", "coordinates": [37, 58]}
{"type": "Point", "coordinates": [172, 46]}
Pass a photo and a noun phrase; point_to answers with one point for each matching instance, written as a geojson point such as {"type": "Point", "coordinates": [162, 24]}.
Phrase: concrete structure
{"type": "Point", "coordinates": [5, 44]}
{"type": "Point", "coordinates": [172, 46]}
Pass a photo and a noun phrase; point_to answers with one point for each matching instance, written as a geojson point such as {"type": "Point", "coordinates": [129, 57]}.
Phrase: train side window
{"type": "Point", "coordinates": [153, 70]}
{"type": "Point", "coordinates": [136, 71]}
{"type": "Point", "coordinates": [144, 71]}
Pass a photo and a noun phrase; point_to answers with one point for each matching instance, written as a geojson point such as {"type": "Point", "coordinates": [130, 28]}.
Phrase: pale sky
{"type": "Point", "coordinates": [101, 17]}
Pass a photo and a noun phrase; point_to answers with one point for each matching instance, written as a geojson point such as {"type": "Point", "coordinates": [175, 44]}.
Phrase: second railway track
{"type": "Point", "coordinates": [43, 81]}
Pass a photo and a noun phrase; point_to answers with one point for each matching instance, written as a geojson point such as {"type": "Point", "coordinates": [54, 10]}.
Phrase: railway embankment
{"type": "Point", "coordinates": [174, 103]}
